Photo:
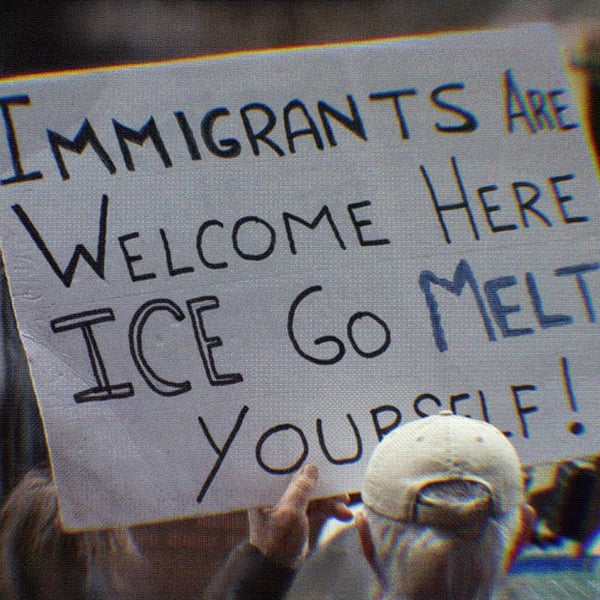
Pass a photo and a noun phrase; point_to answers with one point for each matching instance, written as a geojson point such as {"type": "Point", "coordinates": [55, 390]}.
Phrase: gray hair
{"type": "Point", "coordinates": [419, 561]}
{"type": "Point", "coordinates": [36, 555]}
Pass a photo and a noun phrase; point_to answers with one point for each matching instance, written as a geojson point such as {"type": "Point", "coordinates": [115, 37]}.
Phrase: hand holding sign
{"type": "Point", "coordinates": [282, 532]}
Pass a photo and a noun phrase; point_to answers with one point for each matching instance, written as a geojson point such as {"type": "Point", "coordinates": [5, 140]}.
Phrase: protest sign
{"type": "Point", "coordinates": [225, 268]}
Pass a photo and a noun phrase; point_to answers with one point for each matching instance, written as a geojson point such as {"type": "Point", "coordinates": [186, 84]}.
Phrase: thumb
{"type": "Point", "coordinates": [256, 517]}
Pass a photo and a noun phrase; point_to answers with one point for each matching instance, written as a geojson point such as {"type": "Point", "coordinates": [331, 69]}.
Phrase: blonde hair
{"type": "Point", "coordinates": [424, 562]}
{"type": "Point", "coordinates": [37, 555]}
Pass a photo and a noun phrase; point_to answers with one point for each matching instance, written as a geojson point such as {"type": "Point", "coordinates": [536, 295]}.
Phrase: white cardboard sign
{"type": "Point", "coordinates": [225, 268]}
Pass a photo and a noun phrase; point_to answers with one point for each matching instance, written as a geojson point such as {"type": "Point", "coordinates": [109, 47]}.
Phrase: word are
{"type": "Point", "coordinates": [537, 110]}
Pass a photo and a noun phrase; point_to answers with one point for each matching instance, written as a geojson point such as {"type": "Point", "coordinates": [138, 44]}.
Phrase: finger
{"type": "Point", "coordinates": [340, 507]}
{"type": "Point", "coordinates": [256, 518]}
{"type": "Point", "coordinates": [342, 512]}
{"type": "Point", "coordinates": [300, 489]}
{"type": "Point", "coordinates": [336, 506]}
{"type": "Point", "coordinates": [343, 498]}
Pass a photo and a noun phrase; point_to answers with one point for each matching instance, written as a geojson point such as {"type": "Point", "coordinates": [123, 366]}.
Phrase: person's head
{"type": "Point", "coordinates": [445, 511]}
{"type": "Point", "coordinates": [40, 560]}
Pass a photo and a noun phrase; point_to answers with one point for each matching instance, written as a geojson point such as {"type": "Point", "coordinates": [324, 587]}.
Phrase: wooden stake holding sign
{"type": "Point", "coordinates": [225, 268]}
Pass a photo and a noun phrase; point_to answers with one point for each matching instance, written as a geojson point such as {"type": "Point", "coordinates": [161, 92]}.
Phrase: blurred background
{"type": "Point", "coordinates": [51, 35]}
{"type": "Point", "coordinates": [57, 34]}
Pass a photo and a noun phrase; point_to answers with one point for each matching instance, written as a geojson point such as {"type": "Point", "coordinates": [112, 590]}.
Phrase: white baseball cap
{"type": "Point", "coordinates": [413, 458]}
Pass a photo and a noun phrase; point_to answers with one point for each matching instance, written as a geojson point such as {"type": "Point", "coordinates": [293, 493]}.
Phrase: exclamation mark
{"type": "Point", "coordinates": [575, 427]}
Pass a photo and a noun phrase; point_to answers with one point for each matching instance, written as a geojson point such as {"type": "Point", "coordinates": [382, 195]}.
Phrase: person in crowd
{"type": "Point", "coordinates": [38, 560]}
{"type": "Point", "coordinates": [445, 512]}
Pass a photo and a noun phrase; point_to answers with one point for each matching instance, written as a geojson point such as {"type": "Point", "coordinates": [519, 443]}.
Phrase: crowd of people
{"type": "Point", "coordinates": [443, 517]}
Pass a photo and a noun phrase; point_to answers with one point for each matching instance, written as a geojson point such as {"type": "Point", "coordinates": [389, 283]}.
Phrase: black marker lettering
{"type": "Point", "coordinates": [132, 258]}
{"type": "Point", "coordinates": [149, 130]}
{"type": "Point", "coordinates": [11, 140]}
{"type": "Point", "coordinates": [97, 264]}
{"type": "Point", "coordinates": [311, 129]}
{"type": "Point", "coordinates": [226, 148]}
{"type": "Point", "coordinates": [221, 452]}
{"type": "Point", "coordinates": [323, 213]}
{"type": "Point", "coordinates": [84, 321]}
{"type": "Point", "coordinates": [188, 135]}
{"type": "Point", "coordinates": [272, 431]}
{"type": "Point", "coordinates": [261, 136]}
{"type": "Point", "coordinates": [353, 123]}
{"type": "Point", "coordinates": [196, 306]}
{"type": "Point", "coordinates": [537, 103]}
{"type": "Point", "coordinates": [523, 410]}
{"type": "Point", "coordinates": [469, 122]}
{"type": "Point", "coordinates": [489, 209]}
{"type": "Point", "coordinates": [172, 270]}
{"type": "Point", "coordinates": [160, 385]}
{"type": "Point", "coordinates": [395, 96]}
{"type": "Point", "coordinates": [422, 398]}
{"type": "Point", "coordinates": [383, 430]}
{"type": "Point", "coordinates": [512, 96]}
{"type": "Point", "coordinates": [199, 247]}
{"type": "Point", "coordinates": [557, 109]}
{"type": "Point", "coordinates": [455, 399]}
{"type": "Point", "coordinates": [320, 340]}
{"type": "Point", "coordinates": [562, 199]}
{"type": "Point", "coordinates": [346, 460]}
{"type": "Point", "coordinates": [247, 255]}
{"type": "Point", "coordinates": [528, 205]}
{"type": "Point", "coordinates": [86, 135]}
{"type": "Point", "coordinates": [360, 224]}
{"type": "Point", "coordinates": [361, 315]}
{"type": "Point", "coordinates": [441, 208]}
